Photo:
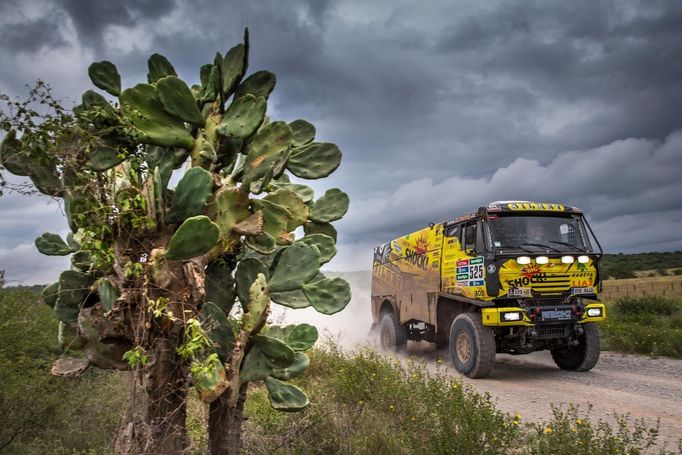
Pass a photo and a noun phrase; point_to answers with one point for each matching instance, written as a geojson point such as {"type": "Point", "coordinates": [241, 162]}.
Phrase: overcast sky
{"type": "Point", "coordinates": [438, 106]}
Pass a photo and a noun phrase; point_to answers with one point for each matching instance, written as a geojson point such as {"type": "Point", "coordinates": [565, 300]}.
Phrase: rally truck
{"type": "Point", "coordinates": [515, 277]}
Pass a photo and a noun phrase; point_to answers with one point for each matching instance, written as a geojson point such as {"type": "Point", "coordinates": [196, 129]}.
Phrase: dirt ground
{"type": "Point", "coordinates": [645, 388]}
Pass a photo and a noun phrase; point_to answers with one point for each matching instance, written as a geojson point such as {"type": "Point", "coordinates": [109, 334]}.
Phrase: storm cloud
{"type": "Point", "coordinates": [439, 107]}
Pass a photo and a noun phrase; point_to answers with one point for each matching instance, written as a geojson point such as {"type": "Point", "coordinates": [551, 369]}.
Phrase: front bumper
{"type": "Point", "coordinates": [520, 317]}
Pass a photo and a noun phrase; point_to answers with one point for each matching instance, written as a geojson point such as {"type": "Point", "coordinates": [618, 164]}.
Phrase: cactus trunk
{"type": "Point", "coordinates": [225, 424]}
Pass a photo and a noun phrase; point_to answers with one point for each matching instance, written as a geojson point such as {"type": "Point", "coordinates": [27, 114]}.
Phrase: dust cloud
{"type": "Point", "coordinates": [348, 328]}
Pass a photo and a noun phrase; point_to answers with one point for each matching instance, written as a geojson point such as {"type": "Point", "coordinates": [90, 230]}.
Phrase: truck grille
{"type": "Point", "coordinates": [553, 332]}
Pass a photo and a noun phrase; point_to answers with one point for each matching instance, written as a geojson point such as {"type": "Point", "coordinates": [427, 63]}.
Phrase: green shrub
{"type": "Point", "coordinates": [644, 325]}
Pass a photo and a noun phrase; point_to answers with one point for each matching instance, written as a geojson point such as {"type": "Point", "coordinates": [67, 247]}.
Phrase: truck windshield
{"type": "Point", "coordinates": [559, 234]}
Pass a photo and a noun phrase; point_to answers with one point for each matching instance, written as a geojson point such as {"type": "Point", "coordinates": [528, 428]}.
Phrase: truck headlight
{"type": "Point", "coordinates": [594, 312]}
{"type": "Point", "coordinates": [583, 259]}
{"type": "Point", "coordinates": [541, 260]}
{"type": "Point", "coordinates": [512, 316]}
{"type": "Point", "coordinates": [523, 260]}
{"type": "Point", "coordinates": [567, 259]}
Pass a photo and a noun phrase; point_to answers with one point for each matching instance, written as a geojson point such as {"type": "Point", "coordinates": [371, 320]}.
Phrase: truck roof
{"type": "Point", "coordinates": [528, 206]}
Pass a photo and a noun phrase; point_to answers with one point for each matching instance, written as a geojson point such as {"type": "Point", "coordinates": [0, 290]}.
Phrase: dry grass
{"type": "Point", "coordinates": [663, 286]}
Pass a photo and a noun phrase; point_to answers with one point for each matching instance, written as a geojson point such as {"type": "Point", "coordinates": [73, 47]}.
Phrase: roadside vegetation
{"type": "Point", "coordinates": [363, 403]}
{"type": "Point", "coordinates": [621, 265]}
{"type": "Point", "coordinates": [644, 325]}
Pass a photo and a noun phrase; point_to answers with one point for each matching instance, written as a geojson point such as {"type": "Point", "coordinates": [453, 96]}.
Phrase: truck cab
{"type": "Point", "coordinates": [514, 277]}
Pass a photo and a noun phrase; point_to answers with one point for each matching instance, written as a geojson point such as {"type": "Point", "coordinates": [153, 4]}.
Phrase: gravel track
{"type": "Point", "coordinates": [643, 387]}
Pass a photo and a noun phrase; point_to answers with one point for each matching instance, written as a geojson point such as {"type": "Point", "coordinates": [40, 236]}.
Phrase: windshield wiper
{"type": "Point", "coordinates": [517, 247]}
{"type": "Point", "coordinates": [569, 245]}
{"type": "Point", "coordinates": [542, 245]}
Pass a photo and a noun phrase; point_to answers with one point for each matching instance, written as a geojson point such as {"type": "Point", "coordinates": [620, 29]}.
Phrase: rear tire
{"type": "Point", "coordinates": [392, 335]}
{"type": "Point", "coordinates": [582, 357]}
{"type": "Point", "coordinates": [472, 346]}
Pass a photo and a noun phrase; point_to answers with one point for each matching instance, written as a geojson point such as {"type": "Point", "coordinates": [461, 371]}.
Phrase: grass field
{"type": "Point", "coordinates": [644, 286]}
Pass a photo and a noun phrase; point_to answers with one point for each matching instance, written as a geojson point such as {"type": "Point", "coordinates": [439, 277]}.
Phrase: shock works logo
{"type": "Point", "coordinates": [421, 246]}
{"type": "Point", "coordinates": [530, 271]}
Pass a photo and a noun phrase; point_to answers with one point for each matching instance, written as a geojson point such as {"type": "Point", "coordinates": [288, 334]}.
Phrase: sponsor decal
{"type": "Point", "coordinates": [421, 245]}
{"type": "Point", "coordinates": [535, 206]}
{"type": "Point", "coordinates": [491, 268]}
{"type": "Point", "coordinates": [418, 260]}
{"type": "Point", "coordinates": [530, 271]}
{"type": "Point", "coordinates": [582, 267]}
{"type": "Point", "coordinates": [525, 280]}
{"type": "Point", "coordinates": [471, 270]}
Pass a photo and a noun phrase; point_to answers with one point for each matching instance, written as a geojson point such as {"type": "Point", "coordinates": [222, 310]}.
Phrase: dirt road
{"type": "Point", "coordinates": [643, 387]}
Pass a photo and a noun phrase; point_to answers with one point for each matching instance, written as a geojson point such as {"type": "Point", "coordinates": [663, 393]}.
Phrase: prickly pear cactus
{"type": "Point", "coordinates": [156, 263]}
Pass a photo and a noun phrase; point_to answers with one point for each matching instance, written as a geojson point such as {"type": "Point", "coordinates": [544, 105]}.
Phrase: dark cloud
{"type": "Point", "coordinates": [31, 36]}
{"type": "Point", "coordinates": [92, 17]}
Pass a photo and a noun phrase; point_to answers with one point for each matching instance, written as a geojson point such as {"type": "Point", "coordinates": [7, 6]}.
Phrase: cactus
{"type": "Point", "coordinates": [52, 245]}
{"type": "Point", "coordinates": [156, 268]}
{"type": "Point", "coordinates": [190, 195]}
{"type": "Point", "coordinates": [194, 237]}
{"type": "Point", "coordinates": [285, 397]}
{"type": "Point", "coordinates": [105, 76]}
{"type": "Point", "coordinates": [154, 125]}
{"type": "Point", "coordinates": [330, 207]}
{"type": "Point", "coordinates": [303, 132]}
{"type": "Point", "coordinates": [315, 160]}
{"type": "Point", "coordinates": [159, 67]}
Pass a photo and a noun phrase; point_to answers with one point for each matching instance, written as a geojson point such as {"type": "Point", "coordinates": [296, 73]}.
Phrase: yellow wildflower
{"type": "Point", "coordinates": [548, 430]}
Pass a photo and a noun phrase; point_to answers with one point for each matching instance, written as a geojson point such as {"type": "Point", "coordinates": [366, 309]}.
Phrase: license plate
{"type": "Point", "coordinates": [519, 292]}
{"type": "Point", "coordinates": [556, 315]}
{"type": "Point", "coordinates": [582, 290]}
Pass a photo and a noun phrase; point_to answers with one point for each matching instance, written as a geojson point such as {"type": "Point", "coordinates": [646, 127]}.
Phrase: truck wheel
{"type": "Point", "coordinates": [472, 346]}
{"type": "Point", "coordinates": [582, 357]}
{"type": "Point", "coordinates": [392, 335]}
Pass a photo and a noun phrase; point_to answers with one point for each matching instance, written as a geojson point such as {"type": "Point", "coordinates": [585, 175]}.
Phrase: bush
{"type": "Point", "coordinates": [644, 325]}
{"type": "Point", "coordinates": [39, 415]}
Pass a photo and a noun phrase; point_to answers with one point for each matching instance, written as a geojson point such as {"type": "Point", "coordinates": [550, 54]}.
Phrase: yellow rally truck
{"type": "Point", "coordinates": [515, 277]}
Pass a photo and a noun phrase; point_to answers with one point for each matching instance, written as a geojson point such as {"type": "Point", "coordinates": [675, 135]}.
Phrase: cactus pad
{"type": "Point", "coordinates": [304, 132]}
{"type": "Point", "coordinates": [300, 337]}
{"type": "Point", "coordinates": [190, 195]}
{"type": "Point", "coordinates": [247, 272]}
{"type": "Point", "coordinates": [330, 207]}
{"type": "Point", "coordinates": [141, 104]}
{"type": "Point", "coordinates": [243, 117]}
{"type": "Point", "coordinates": [265, 150]}
{"type": "Point", "coordinates": [299, 365]}
{"type": "Point", "coordinates": [278, 354]}
{"type": "Point", "coordinates": [232, 68]}
{"type": "Point", "coordinates": [275, 219]}
{"type": "Point", "coordinates": [285, 397]}
{"type": "Point", "coordinates": [215, 324]}
{"type": "Point", "coordinates": [178, 101]}
{"type": "Point", "coordinates": [257, 306]}
{"type": "Point", "coordinates": [108, 294]}
{"type": "Point", "coordinates": [255, 366]}
{"type": "Point", "coordinates": [297, 264]}
{"type": "Point", "coordinates": [295, 299]}
{"type": "Point", "coordinates": [105, 76]}
{"type": "Point", "coordinates": [52, 245]}
{"type": "Point", "coordinates": [260, 83]}
{"type": "Point", "coordinates": [315, 160]}
{"type": "Point", "coordinates": [291, 201]}
{"type": "Point", "coordinates": [50, 294]}
{"type": "Point", "coordinates": [220, 285]}
{"type": "Point", "coordinates": [193, 238]}
{"type": "Point", "coordinates": [304, 191]}
{"type": "Point", "coordinates": [159, 67]}
{"type": "Point", "coordinates": [324, 243]}
{"type": "Point", "coordinates": [11, 156]}
{"type": "Point", "coordinates": [328, 296]}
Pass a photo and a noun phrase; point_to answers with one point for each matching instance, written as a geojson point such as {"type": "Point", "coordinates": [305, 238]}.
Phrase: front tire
{"type": "Point", "coordinates": [392, 335]}
{"type": "Point", "coordinates": [582, 357]}
{"type": "Point", "coordinates": [472, 346]}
